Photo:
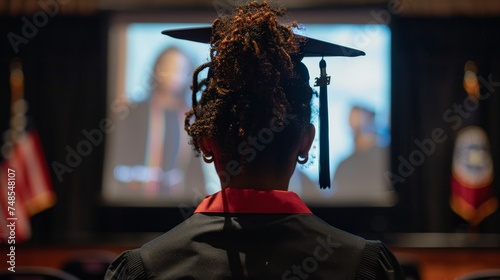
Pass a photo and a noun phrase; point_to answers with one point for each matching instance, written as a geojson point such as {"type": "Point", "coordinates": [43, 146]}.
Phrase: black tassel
{"type": "Point", "coordinates": [324, 144]}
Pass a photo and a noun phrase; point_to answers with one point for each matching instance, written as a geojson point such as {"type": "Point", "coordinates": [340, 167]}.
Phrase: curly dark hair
{"type": "Point", "coordinates": [255, 81]}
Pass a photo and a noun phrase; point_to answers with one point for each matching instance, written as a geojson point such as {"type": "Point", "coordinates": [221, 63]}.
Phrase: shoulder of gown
{"type": "Point", "coordinates": [127, 266]}
{"type": "Point", "coordinates": [378, 262]}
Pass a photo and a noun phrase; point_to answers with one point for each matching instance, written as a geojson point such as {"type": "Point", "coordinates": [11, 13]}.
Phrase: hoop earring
{"type": "Point", "coordinates": [302, 161]}
{"type": "Point", "coordinates": [209, 158]}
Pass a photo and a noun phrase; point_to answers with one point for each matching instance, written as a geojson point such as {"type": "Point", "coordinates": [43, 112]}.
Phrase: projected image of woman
{"type": "Point", "coordinates": [166, 147]}
{"type": "Point", "coordinates": [151, 153]}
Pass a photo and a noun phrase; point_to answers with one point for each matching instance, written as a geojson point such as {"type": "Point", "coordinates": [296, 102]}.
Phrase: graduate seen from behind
{"type": "Point", "coordinates": [254, 228]}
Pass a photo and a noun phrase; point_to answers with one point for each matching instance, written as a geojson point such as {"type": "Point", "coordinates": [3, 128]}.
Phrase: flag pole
{"type": "Point", "coordinates": [18, 105]}
{"type": "Point", "coordinates": [16, 81]}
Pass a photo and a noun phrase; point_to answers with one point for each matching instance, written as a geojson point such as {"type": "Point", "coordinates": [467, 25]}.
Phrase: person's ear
{"type": "Point", "coordinates": [206, 150]}
{"type": "Point", "coordinates": [205, 145]}
{"type": "Point", "coordinates": [307, 140]}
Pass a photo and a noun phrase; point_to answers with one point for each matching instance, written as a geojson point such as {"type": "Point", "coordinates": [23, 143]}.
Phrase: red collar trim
{"type": "Point", "coordinates": [231, 200]}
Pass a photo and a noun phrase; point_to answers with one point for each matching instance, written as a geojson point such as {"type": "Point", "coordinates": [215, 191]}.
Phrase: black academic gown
{"type": "Point", "coordinates": [250, 234]}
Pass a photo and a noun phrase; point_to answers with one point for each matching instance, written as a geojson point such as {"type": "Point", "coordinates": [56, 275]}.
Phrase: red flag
{"type": "Point", "coordinates": [472, 196]}
{"type": "Point", "coordinates": [25, 187]}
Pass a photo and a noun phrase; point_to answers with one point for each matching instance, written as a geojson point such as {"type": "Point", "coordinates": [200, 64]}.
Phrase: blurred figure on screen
{"type": "Point", "coordinates": [152, 154]}
{"type": "Point", "coordinates": [362, 172]}
{"type": "Point", "coordinates": [166, 147]}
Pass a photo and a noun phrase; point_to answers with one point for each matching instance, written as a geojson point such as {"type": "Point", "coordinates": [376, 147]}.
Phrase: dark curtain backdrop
{"type": "Point", "coordinates": [65, 68]}
{"type": "Point", "coordinates": [429, 56]}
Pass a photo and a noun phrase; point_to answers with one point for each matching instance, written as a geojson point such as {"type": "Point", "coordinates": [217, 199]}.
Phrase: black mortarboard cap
{"type": "Point", "coordinates": [309, 47]}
